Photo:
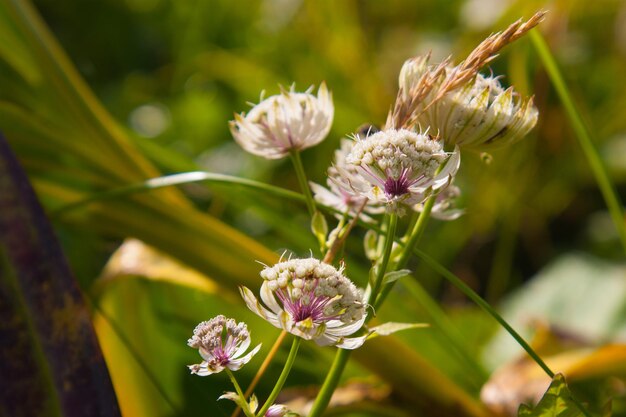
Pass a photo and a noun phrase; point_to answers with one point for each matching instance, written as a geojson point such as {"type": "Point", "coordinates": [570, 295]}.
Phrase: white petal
{"type": "Point", "coordinates": [351, 342]}
{"type": "Point", "coordinates": [326, 340]}
{"type": "Point", "coordinates": [229, 395]}
{"type": "Point", "coordinates": [347, 329]}
{"type": "Point", "coordinates": [269, 299]}
{"type": "Point", "coordinates": [236, 364]}
{"type": "Point", "coordinates": [203, 369]}
{"type": "Point", "coordinates": [241, 349]}
{"type": "Point", "coordinates": [252, 302]}
{"type": "Point", "coordinates": [386, 329]}
{"type": "Point", "coordinates": [206, 355]}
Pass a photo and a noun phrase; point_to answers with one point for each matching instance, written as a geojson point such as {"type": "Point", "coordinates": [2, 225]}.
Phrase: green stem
{"type": "Point", "coordinates": [417, 232]}
{"type": "Point", "coordinates": [304, 184]}
{"type": "Point", "coordinates": [424, 299]}
{"type": "Point", "coordinates": [342, 355]}
{"type": "Point", "coordinates": [505, 249]}
{"type": "Point", "coordinates": [177, 179]}
{"type": "Point", "coordinates": [411, 241]}
{"type": "Point", "coordinates": [282, 378]}
{"type": "Point", "coordinates": [465, 289]}
{"type": "Point", "coordinates": [382, 267]}
{"type": "Point", "coordinates": [244, 401]}
{"type": "Point", "coordinates": [330, 383]}
{"type": "Point", "coordinates": [582, 134]}
{"type": "Point", "coordinates": [477, 375]}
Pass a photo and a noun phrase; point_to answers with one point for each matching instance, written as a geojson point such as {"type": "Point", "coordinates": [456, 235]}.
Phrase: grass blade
{"type": "Point", "coordinates": [582, 134]}
{"type": "Point", "coordinates": [180, 179]}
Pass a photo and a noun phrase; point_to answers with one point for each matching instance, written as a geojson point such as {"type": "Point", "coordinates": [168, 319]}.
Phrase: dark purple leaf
{"type": "Point", "coordinates": [50, 361]}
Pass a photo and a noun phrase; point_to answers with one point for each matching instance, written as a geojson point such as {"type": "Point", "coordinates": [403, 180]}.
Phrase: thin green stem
{"type": "Point", "coordinates": [505, 249]}
{"type": "Point", "coordinates": [417, 232]}
{"type": "Point", "coordinates": [582, 134]}
{"type": "Point", "coordinates": [304, 184]}
{"type": "Point", "coordinates": [330, 383]}
{"type": "Point", "coordinates": [342, 355]}
{"type": "Point", "coordinates": [411, 240]}
{"type": "Point", "coordinates": [477, 375]}
{"type": "Point", "coordinates": [282, 378]}
{"type": "Point", "coordinates": [382, 267]}
{"type": "Point", "coordinates": [244, 401]}
{"type": "Point", "coordinates": [266, 363]}
{"type": "Point", "coordinates": [425, 300]}
{"type": "Point", "coordinates": [177, 179]}
{"type": "Point", "coordinates": [471, 294]}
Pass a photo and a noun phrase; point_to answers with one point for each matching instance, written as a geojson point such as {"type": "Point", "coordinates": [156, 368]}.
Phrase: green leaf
{"type": "Point", "coordinates": [556, 402]}
{"type": "Point", "coordinates": [391, 327]}
{"type": "Point", "coordinates": [370, 243]}
{"type": "Point", "coordinates": [396, 275]}
{"type": "Point", "coordinates": [48, 348]}
{"type": "Point", "coordinates": [319, 227]}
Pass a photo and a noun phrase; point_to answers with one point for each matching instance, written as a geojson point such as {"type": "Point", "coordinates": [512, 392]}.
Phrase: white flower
{"type": "Point", "coordinates": [221, 342]}
{"type": "Point", "coordinates": [478, 115]}
{"type": "Point", "coordinates": [312, 300]}
{"type": "Point", "coordinates": [340, 195]}
{"type": "Point", "coordinates": [401, 168]}
{"type": "Point", "coordinates": [284, 122]}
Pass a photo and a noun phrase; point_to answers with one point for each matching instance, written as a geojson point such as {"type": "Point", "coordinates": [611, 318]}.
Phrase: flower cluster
{"type": "Point", "coordinates": [221, 343]}
{"type": "Point", "coordinates": [400, 168]}
{"type": "Point", "coordinates": [283, 123]}
{"type": "Point", "coordinates": [312, 300]}
{"type": "Point", "coordinates": [343, 178]}
{"type": "Point", "coordinates": [479, 115]}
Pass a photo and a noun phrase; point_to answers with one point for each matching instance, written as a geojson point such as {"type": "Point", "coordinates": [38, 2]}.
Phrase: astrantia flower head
{"type": "Point", "coordinates": [340, 194]}
{"type": "Point", "coordinates": [221, 343]}
{"type": "Point", "coordinates": [480, 114]}
{"type": "Point", "coordinates": [401, 167]}
{"type": "Point", "coordinates": [312, 300]}
{"type": "Point", "coordinates": [285, 122]}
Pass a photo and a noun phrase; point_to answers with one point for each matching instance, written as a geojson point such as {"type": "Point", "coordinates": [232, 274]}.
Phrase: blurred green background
{"type": "Point", "coordinates": [172, 73]}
